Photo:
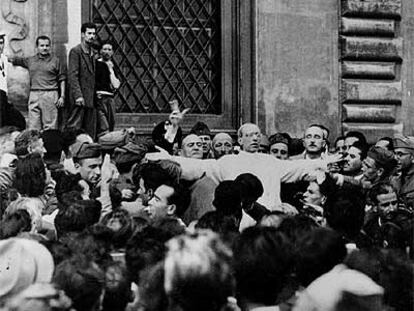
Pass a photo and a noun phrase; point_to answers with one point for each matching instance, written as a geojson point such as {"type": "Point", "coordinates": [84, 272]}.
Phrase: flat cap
{"type": "Point", "coordinates": [401, 141]}
{"type": "Point", "coordinates": [86, 150]}
{"type": "Point", "coordinates": [200, 128]}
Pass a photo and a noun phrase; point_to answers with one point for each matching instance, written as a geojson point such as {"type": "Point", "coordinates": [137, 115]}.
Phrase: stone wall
{"type": "Point", "coordinates": [297, 65]}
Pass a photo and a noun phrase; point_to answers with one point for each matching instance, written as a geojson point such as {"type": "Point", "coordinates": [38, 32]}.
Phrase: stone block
{"type": "Point", "coordinates": [368, 27]}
{"type": "Point", "coordinates": [372, 8]}
{"type": "Point", "coordinates": [374, 131]}
{"type": "Point", "coordinates": [369, 113]}
{"type": "Point", "coordinates": [376, 92]}
{"type": "Point", "coordinates": [368, 70]}
{"type": "Point", "coordinates": [361, 48]}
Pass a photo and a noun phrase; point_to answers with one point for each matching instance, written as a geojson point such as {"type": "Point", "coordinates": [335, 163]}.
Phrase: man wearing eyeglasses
{"type": "Point", "coordinates": [404, 181]}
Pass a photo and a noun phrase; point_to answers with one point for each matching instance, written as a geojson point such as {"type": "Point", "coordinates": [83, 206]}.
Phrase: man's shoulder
{"type": "Point", "coordinates": [76, 48]}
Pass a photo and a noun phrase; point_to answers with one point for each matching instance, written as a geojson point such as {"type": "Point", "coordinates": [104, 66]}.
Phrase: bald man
{"type": "Point", "coordinates": [222, 145]}
{"type": "Point", "coordinates": [192, 147]}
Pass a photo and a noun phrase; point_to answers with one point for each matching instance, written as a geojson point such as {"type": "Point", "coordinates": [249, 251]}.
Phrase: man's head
{"type": "Point", "coordinates": [43, 45]}
{"type": "Point", "coordinates": [29, 141]}
{"type": "Point", "coordinates": [314, 140]}
{"type": "Point", "coordinates": [354, 136]}
{"type": "Point", "coordinates": [107, 50]}
{"type": "Point", "coordinates": [88, 161]}
{"type": "Point", "coordinates": [262, 264]}
{"type": "Point", "coordinates": [340, 146]}
{"type": "Point", "coordinates": [147, 177]}
{"type": "Point", "coordinates": [355, 155]}
{"type": "Point", "coordinates": [378, 165]}
{"type": "Point", "coordinates": [192, 147]}
{"type": "Point", "coordinates": [279, 146]}
{"type": "Point", "coordinates": [249, 137]}
{"type": "Point", "coordinates": [168, 201]}
{"type": "Point", "coordinates": [264, 145]}
{"type": "Point", "coordinates": [385, 142]}
{"type": "Point", "coordinates": [384, 197]}
{"type": "Point", "coordinates": [88, 33]}
{"type": "Point", "coordinates": [222, 145]}
{"type": "Point", "coordinates": [404, 152]}
{"type": "Point", "coordinates": [201, 130]}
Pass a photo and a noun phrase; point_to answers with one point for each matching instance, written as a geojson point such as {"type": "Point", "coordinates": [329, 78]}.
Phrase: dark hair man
{"type": "Point", "coordinates": [404, 181]}
{"type": "Point", "coordinates": [202, 130]}
{"type": "Point", "coordinates": [168, 201]}
{"type": "Point", "coordinates": [47, 85]}
{"type": "Point", "coordinates": [82, 82]}
{"type": "Point", "coordinates": [106, 84]}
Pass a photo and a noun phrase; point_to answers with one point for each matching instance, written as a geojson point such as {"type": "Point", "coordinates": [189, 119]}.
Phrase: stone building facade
{"type": "Point", "coordinates": [284, 64]}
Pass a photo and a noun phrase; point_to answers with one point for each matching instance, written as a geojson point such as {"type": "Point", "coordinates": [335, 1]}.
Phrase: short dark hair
{"type": "Point", "coordinates": [82, 280]}
{"type": "Point", "coordinates": [250, 185]}
{"type": "Point", "coordinates": [227, 199]}
{"type": "Point", "coordinates": [362, 147]}
{"type": "Point", "coordinates": [87, 25]}
{"type": "Point", "coordinates": [317, 252]}
{"type": "Point", "coordinates": [144, 249]}
{"type": "Point", "coordinates": [356, 134]}
{"type": "Point", "coordinates": [181, 198]}
{"type": "Point", "coordinates": [30, 177]}
{"type": "Point", "coordinates": [42, 37]}
{"type": "Point", "coordinates": [77, 216]}
{"type": "Point", "coordinates": [262, 262]}
{"type": "Point", "coordinates": [378, 189]}
{"type": "Point", "coordinates": [24, 140]}
{"type": "Point", "coordinates": [123, 234]}
{"type": "Point", "coordinates": [152, 175]}
{"type": "Point", "coordinates": [15, 223]}
{"type": "Point", "coordinates": [117, 288]}
{"type": "Point", "coordinates": [345, 211]}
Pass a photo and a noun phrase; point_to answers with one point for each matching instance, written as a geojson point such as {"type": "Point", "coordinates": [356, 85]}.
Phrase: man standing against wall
{"type": "Point", "coordinates": [82, 82]}
{"type": "Point", "coordinates": [47, 86]}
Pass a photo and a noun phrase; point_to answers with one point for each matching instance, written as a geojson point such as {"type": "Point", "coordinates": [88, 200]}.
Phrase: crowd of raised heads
{"type": "Point", "coordinates": [191, 221]}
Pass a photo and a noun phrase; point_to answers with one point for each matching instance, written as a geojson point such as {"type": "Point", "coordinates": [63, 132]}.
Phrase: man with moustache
{"type": "Point", "coordinates": [314, 142]}
{"type": "Point", "coordinates": [404, 181]}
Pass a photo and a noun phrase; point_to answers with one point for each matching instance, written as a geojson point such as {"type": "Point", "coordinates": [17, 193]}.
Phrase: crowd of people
{"type": "Point", "coordinates": [94, 218]}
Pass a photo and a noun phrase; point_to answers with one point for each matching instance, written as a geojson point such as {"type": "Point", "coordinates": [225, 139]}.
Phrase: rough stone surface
{"type": "Point", "coordinates": [371, 48]}
{"type": "Point", "coordinates": [360, 26]}
{"type": "Point", "coordinates": [383, 8]}
{"type": "Point", "coordinates": [297, 69]}
{"type": "Point", "coordinates": [369, 113]}
{"type": "Point", "coordinates": [368, 70]}
{"type": "Point", "coordinates": [357, 91]}
{"type": "Point", "coordinates": [374, 131]}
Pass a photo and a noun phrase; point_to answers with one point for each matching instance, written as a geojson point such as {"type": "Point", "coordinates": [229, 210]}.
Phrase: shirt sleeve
{"type": "Point", "coordinates": [295, 170]}
{"type": "Point", "coordinates": [193, 169]}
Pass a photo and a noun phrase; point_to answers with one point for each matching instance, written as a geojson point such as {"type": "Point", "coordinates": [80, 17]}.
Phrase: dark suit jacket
{"type": "Point", "coordinates": [81, 76]}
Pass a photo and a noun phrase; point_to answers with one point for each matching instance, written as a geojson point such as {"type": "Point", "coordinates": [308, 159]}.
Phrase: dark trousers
{"type": "Point", "coordinates": [3, 106]}
{"type": "Point", "coordinates": [106, 114]}
{"type": "Point", "coordinates": [84, 118]}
